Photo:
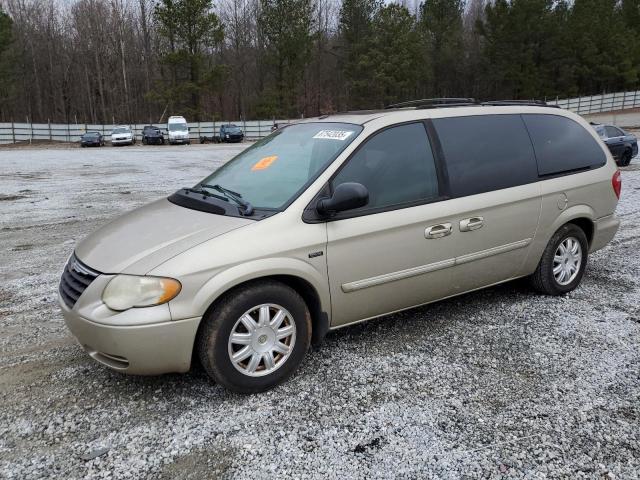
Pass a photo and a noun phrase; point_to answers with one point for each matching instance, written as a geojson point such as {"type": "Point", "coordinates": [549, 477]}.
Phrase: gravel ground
{"type": "Point", "coordinates": [501, 383]}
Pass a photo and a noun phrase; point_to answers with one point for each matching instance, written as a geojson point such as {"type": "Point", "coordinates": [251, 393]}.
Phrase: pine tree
{"type": "Point", "coordinates": [441, 30]}
{"type": "Point", "coordinates": [286, 27]}
{"type": "Point", "coordinates": [8, 77]}
{"type": "Point", "coordinates": [190, 30]}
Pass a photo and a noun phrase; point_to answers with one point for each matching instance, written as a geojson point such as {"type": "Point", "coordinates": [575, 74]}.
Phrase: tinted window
{"type": "Point", "coordinates": [396, 165]}
{"type": "Point", "coordinates": [562, 145]}
{"type": "Point", "coordinates": [485, 153]}
{"type": "Point", "coordinates": [613, 132]}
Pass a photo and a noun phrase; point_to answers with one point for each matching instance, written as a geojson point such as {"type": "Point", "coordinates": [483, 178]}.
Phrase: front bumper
{"type": "Point", "coordinates": [179, 140]}
{"type": "Point", "coordinates": [604, 231]}
{"type": "Point", "coordinates": [128, 141]}
{"type": "Point", "coordinates": [148, 349]}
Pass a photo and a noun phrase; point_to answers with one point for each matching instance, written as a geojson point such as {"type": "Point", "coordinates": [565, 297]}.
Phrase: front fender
{"type": "Point", "coordinates": [228, 278]}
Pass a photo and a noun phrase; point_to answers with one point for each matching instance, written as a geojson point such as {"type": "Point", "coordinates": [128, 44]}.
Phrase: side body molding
{"type": "Point", "coordinates": [432, 267]}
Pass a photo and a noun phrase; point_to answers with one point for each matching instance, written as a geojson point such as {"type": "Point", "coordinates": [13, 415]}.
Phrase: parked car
{"type": "Point", "coordinates": [230, 133]}
{"type": "Point", "coordinates": [92, 139]}
{"type": "Point", "coordinates": [623, 145]}
{"type": "Point", "coordinates": [178, 131]}
{"type": "Point", "coordinates": [336, 220]}
{"type": "Point", "coordinates": [152, 136]}
{"type": "Point", "coordinates": [123, 135]}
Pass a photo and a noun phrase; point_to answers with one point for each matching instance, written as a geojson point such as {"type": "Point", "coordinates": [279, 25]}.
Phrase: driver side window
{"type": "Point", "coordinates": [397, 167]}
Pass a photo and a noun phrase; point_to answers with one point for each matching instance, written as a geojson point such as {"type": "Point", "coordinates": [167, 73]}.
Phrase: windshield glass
{"type": "Point", "coordinates": [121, 130]}
{"type": "Point", "coordinates": [276, 168]}
{"type": "Point", "coordinates": [177, 127]}
{"type": "Point", "coordinates": [91, 134]}
{"type": "Point", "coordinates": [233, 129]}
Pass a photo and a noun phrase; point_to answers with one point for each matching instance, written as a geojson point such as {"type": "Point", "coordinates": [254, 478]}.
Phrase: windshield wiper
{"type": "Point", "coordinates": [235, 196]}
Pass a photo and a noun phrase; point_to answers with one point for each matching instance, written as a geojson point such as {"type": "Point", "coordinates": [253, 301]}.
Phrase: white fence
{"type": "Point", "coordinates": [607, 102]}
{"type": "Point", "coordinates": [21, 132]}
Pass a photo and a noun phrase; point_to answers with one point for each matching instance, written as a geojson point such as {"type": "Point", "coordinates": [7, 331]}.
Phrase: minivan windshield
{"type": "Point", "coordinates": [272, 172]}
{"type": "Point", "coordinates": [177, 127]}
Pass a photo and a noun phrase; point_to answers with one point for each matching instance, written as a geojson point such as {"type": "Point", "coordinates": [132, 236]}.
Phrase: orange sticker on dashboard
{"type": "Point", "coordinates": [264, 163]}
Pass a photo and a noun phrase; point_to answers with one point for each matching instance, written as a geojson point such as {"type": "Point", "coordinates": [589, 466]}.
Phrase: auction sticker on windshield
{"type": "Point", "coordinates": [341, 135]}
{"type": "Point", "coordinates": [264, 163]}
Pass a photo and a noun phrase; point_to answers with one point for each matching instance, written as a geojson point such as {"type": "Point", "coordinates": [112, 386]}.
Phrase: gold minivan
{"type": "Point", "coordinates": [338, 219]}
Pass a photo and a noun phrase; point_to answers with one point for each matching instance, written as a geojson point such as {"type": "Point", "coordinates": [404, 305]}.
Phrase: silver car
{"type": "Point", "coordinates": [335, 220]}
{"type": "Point", "coordinates": [122, 135]}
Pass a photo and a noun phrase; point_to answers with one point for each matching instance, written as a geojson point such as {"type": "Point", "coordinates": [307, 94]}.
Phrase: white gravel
{"type": "Point", "coordinates": [498, 383]}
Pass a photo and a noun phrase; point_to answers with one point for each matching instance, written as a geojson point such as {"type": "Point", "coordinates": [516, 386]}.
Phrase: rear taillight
{"type": "Point", "coordinates": [616, 183]}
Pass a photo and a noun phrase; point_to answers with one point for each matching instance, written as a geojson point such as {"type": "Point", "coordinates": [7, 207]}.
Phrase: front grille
{"type": "Point", "coordinates": [75, 279]}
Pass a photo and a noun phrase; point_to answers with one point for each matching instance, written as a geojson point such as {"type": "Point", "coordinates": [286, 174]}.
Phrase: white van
{"type": "Point", "coordinates": [178, 130]}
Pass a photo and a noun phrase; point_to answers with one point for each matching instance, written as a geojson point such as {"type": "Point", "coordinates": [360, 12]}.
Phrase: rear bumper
{"type": "Point", "coordinates": [141, 349]}
{"type": "Point", "coordinates": [605, 229]}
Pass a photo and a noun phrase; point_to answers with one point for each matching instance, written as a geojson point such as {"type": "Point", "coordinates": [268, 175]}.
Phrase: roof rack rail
{"type": "Point", "coordinates": [530, 103]}
{"type": "Point", "coordinates": [433, 103]}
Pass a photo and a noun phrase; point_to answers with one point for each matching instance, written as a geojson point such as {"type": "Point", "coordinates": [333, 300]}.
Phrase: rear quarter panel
{"type": "Point", "coordinates": [584, 195]}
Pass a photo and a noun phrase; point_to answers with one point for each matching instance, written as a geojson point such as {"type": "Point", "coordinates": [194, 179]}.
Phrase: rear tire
{"type": "Point", "coordinates": [563, 261]}
{"type": "Point", "coordinates": [274, 310]}
{"type": "Point", "coordinates": [625, 160]}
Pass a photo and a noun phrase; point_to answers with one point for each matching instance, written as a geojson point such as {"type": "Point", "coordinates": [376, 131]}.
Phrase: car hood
{"type": "Point", "coordinates": [142, 239]}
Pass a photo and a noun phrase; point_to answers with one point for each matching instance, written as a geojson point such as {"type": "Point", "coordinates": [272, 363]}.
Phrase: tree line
{"type": "Point", "coordinates": [122, 61]}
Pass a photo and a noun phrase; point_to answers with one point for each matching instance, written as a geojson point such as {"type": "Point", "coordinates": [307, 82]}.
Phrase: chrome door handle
{"type": "Point", "coordinates": [472, 223]}
{"type": "Point", "coordinates": [438, 231]}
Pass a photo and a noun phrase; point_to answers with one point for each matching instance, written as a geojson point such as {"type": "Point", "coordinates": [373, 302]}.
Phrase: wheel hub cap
{"type": "Point", "coordinates": [261, 340]}
{"type": "Point", "coordinates": [567, 261]}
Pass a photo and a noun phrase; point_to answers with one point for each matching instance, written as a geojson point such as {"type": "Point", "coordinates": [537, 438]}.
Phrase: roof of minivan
{"type": "Point", "coordinates": [400, 114]}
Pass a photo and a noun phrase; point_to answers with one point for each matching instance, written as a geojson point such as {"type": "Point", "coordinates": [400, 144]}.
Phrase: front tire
{"type": "Point", "coordinates": [563, 262]}
{"type": "Point", "coordinates": [625, 160]}
{"type": "Point", "coordinates": [255, 337]}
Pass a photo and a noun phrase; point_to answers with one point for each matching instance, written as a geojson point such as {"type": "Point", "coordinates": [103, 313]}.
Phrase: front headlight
{"type": "Point", "coordinates": [127, 291]}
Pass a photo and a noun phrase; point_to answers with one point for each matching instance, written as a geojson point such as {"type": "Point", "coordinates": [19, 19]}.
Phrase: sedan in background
{"type": "Point", "coordinates": [231, 133]}
{"type": "Point", "coordinates": [92, 139]}
{"type": "Point", "coordinates": [122, 135]}
{"type": "Point", "coordinates": [152, 136]}
{"type": "Point", "coordinates": [622, 145]}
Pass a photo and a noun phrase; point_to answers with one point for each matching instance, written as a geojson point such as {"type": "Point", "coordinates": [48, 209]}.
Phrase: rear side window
{"type": "Point", "coordinates": [613, 132]}
{"type": "Point", "coordinates": [486, 152]}
{"type": "Point", "coordinates": [397, 167]}
{"type": "Point", "coordinates": [562, 145]}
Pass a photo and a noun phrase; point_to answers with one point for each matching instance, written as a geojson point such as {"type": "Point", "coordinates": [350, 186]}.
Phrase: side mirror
{"type": "Point", "coordinates": [346, 196]}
